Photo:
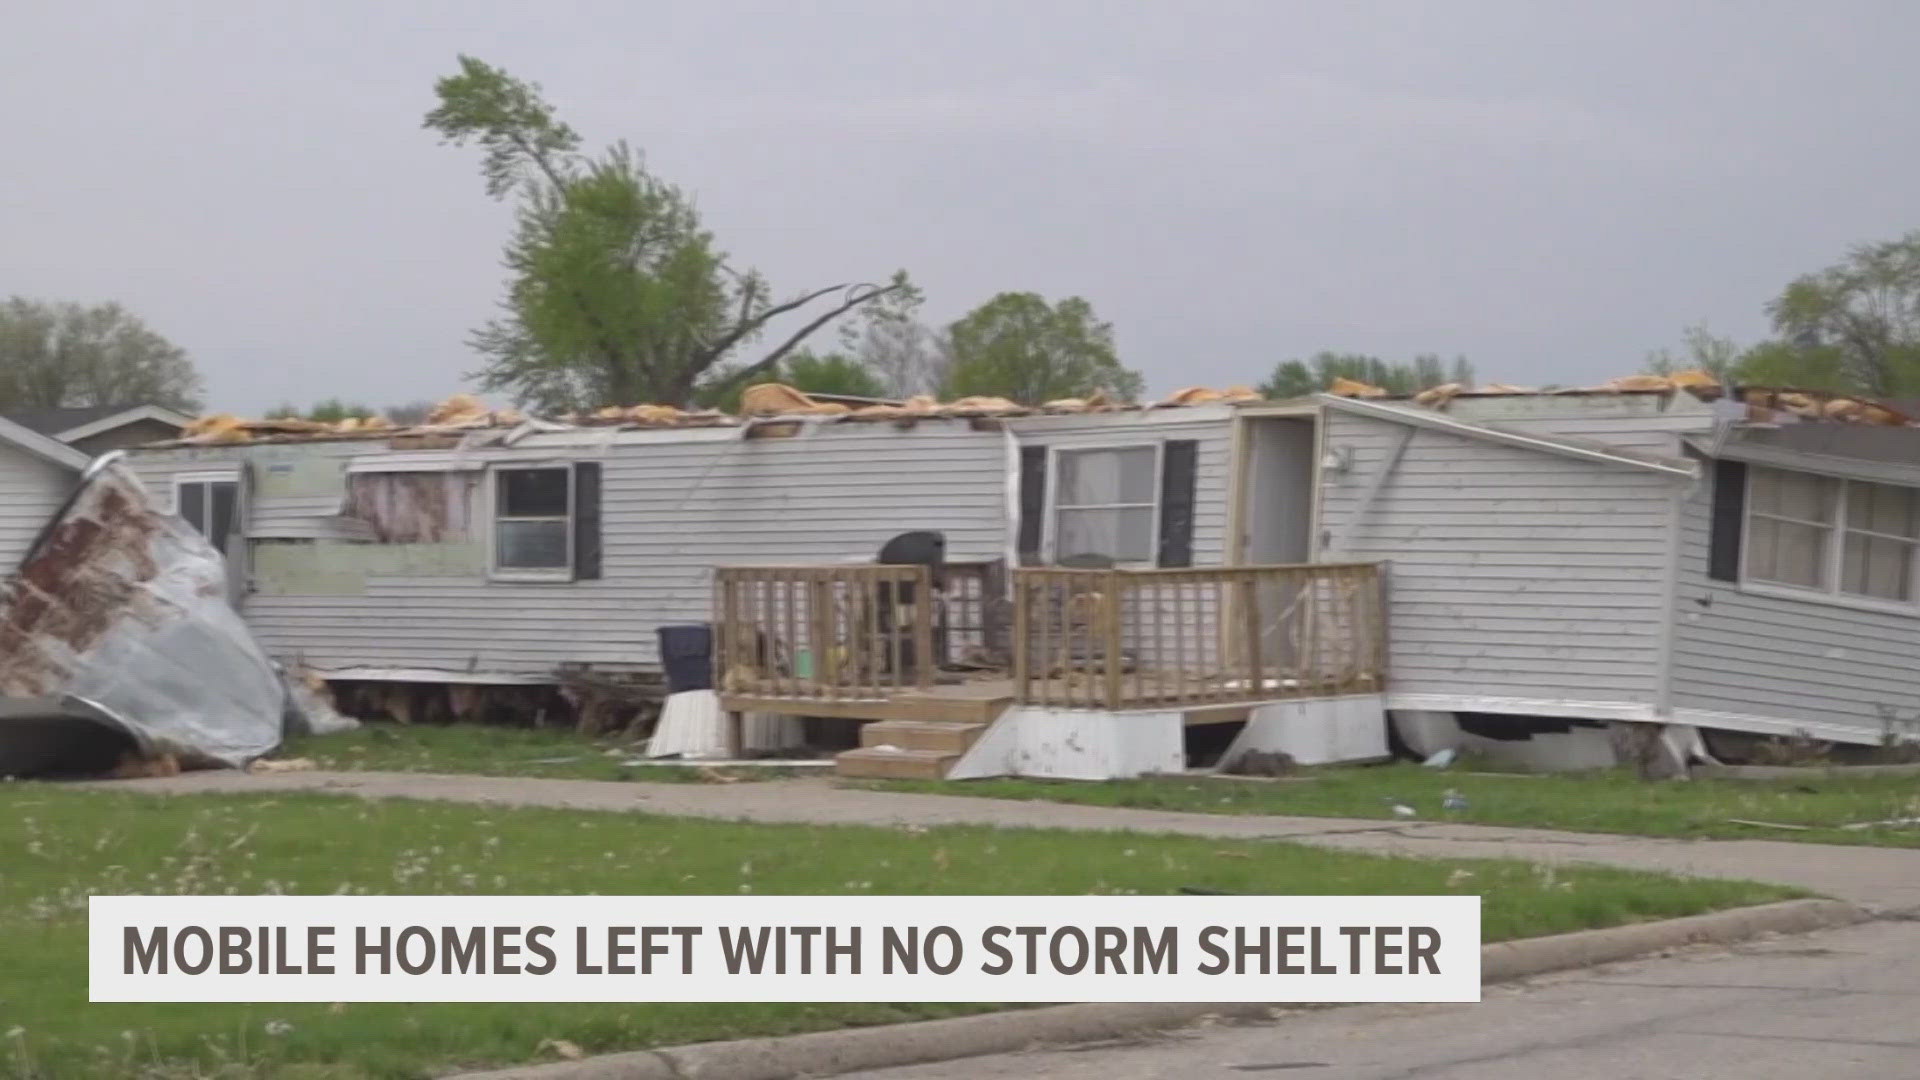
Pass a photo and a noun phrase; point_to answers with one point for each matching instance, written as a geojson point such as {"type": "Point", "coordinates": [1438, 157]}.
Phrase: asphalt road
{"type": "Point", "coordinates": [1837, 1005]}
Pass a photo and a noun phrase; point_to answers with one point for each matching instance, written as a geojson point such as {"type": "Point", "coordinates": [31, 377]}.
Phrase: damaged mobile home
{"type": "Point", "coordinates": [1129, 590]}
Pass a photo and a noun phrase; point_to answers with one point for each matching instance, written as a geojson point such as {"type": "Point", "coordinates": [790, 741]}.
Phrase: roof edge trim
{"type": "Point", "coordinates": [1539, 443]}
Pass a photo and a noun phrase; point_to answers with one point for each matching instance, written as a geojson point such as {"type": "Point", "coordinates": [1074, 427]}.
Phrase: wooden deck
{"type": "Point", "coordinates": [975, 700]}
{"type": "Point", "coordinates": [877, 642]}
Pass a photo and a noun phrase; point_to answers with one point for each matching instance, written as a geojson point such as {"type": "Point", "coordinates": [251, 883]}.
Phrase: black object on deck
{"type": "Point", "coordinates": [686, 654]}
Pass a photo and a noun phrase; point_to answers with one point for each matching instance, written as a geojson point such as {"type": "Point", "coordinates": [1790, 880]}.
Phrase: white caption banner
{"type": "Point", "coordinates": [785, 948]}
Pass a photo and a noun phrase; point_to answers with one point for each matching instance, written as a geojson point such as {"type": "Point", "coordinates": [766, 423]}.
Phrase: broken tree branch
{"type": "Point", "coordinates": [747, 327]}
{"type": "Point", "coordinates": [855, 296]}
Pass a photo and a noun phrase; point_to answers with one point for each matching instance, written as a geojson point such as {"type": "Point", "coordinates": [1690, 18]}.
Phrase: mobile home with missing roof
{"type": "Point", "coordinates": [524, 555]}
{"type": "Point", "coordinates": [1482, 570]}
{"type": "Point", "coordinates": [1738, 564]}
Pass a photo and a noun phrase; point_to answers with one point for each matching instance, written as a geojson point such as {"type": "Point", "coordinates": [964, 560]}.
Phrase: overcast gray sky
{"type": "Point", "coordinates": [1551, 189]}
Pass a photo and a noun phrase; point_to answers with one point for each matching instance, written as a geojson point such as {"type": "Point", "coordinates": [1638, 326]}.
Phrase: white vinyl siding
{"type": "Point", "coordinates": [673, 506]}
{"type": "Point", "coordinates": [1786, 660]}
{"type": "Point", "coordinates": [31, 491]}
{"type": "Point", "coordinates": [1514, 575]}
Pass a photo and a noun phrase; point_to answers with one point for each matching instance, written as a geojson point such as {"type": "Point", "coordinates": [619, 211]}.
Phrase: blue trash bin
{"type": "Point", "coordinates": [686, 655]}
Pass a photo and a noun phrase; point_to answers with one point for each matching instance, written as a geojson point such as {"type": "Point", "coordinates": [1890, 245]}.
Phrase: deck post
{"type": "Point", "coordinates": [1022, 671]}
{"type": "Point", "coordinates": [736, 734]}
{"type": "Point", "coordinates": [923, 629]}
{"type": "Point", "coordinates": [821, 656]}
{"type": "Point", "coordinates": [1250, 624]}
{"type": "Point", "coordinates": [1110, 610]}
{"type": "Point", "coordinates": [728, 630]}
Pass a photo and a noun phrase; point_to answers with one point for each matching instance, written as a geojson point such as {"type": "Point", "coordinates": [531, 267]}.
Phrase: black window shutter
{"type": "Point", "coordinates": [1033, 502]}
{"type": "Point", "coordinates": [586, 521]}
{"type": "Point", "coordinates": [1729, 517]}
{"type": "Point", "coordinates": [1179, 461]}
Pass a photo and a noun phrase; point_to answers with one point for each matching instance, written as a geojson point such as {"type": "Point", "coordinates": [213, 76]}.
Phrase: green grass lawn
{"type": "Point", "coordinates": [484, 750]}
{"type": "Point", "coordinates": [59, 845]}
{"type": "Point", "coordinates": [1609, 802]}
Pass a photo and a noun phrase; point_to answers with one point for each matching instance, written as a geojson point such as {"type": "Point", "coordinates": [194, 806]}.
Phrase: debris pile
{"type": "Point", "coordinates": [1767, 406]}
{"type": "Point", "coordinates": [464, 412]}
{"type": "Point", "coordinates": [1764, 404]}
{"type": "Point", "coordinates": [459, 412]}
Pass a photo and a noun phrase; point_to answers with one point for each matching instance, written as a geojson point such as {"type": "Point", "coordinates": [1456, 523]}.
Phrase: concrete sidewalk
{"type": "Point", "coordinates": [1880, 879]}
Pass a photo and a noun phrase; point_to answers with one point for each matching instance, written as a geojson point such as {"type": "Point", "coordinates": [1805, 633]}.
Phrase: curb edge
{"type": "Point", "coordinates": [827, 1053]}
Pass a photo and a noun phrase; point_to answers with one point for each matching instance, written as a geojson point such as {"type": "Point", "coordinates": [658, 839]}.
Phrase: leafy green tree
{"type": "Point", "coordinates": [1852, 328]}
{"type": "Point", "coordinates": [1785, 364]}
{"type": "Point", "coordinates": [1018, 346]}
{"type": "Point", "coordinates": [1298, 378]}
{"type": "Point", "coordinates": [63, 355]}
{"type": "Point", "coordinates": [1857, 322]}
{"type": "Point", "coordinates": [616, 293]}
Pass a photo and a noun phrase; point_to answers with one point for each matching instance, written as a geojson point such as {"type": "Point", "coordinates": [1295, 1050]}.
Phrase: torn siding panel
{"type": "Point", "coordinates": [1834, 671]}
{"type": "Point", "coordinates": [414, 507]}
{"type": "Point", "coordinates": [340, 568]}
{"type": "Point", "coordinates": [1514, 574]}
{"type": "Point", "coordinates": [298, 491]}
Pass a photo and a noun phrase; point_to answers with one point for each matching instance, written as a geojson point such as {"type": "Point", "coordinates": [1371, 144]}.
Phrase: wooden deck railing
{"type": "Point", "coordinates": [823, 632]}
{"type": "Point", "coordinates": [1139, 639]}
{"type": "Point", "coordinates": [974, 620]}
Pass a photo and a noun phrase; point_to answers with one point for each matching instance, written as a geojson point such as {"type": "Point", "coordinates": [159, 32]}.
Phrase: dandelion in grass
{"type": "Point", "coordinates": [278, 1028]}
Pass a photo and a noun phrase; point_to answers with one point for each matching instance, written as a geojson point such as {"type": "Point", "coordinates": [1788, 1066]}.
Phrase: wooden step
{"type": "Point", "coordinates": [887, 764]}
{"type": "Point", "coordinates": [945, 736]}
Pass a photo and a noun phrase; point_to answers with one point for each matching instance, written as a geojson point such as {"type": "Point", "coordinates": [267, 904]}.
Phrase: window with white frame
{"type": "Point", "coordinates": [1849, 537]}
{"type": "Point", "coordinates": [533, 521]}
{"type": "Point", "coordinates": [1106, 502]}
{"type": "Point", "coordinates": [208, 502]}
